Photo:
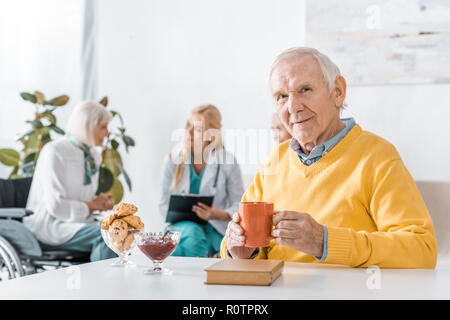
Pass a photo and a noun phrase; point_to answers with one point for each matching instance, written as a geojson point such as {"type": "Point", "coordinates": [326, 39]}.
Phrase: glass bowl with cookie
{"type": "Point", "coordinates": [118, 231]}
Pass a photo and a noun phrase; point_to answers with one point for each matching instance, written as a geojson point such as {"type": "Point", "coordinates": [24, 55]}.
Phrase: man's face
{"type": "Point", "coordinates": [303, 101]}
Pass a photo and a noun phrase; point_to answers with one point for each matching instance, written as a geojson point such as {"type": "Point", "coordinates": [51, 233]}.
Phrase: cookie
{"type": "Point", "coordinates": [106, 222]}
{"type": "Point", "coordinates": [134, 221]}
{"type": "Point", "coordinates": [124, 209]}
{"type": "Point", "coordinates": [118, 246]}
{"type": "Point", "coordinates": [128, 241]}
{"type": "Point", "coordinates": [118, 231]}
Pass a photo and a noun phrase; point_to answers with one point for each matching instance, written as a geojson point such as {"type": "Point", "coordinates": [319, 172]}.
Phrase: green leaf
{"type": "Point", "coordinates": [14, 174]}
{"type": "Point", "coordinates": [29, 163]}
{"type": "Point", "coordinates": [105, 180]}
{"type": "Point", "coordinates": [45, 139]}
{"type": "Point", "coordinates": [104, 101]}
{"type": "Point", "coordinates": [115, 113]}
{"type": "Point", "coordinates": [114, 144]}
{"type": "Point", "coordinates": [32, 143]}
{"type": "Point", "coordinates": [45, 131]}
{"type": "Point", "coordinates": [28, 97]}
{"type": "Point", "coordinates": [40, 97]}
{"type": "Point", "coordinates": [9, 157]}
{"type": "Point", "coordinates": [129, 141]}
{"type": "Point", "coordinates": [47, 111]}
{"type": "Point", "coordinates": [36, 124]}
{"type": "Point", "coordinates": [112, 160]}
{"type": "Point", "coordinates": [25, 135]}
{"type": "Point", "coordinates": [30, 158]}
{"type": "Point", "coordinates": [58, 101]}
{"type": "Point", "coordinates": [126, 176]}
{"type": "Point", "coordinates": [116, 191]}
{"type": "Point", "coordinates": [57, 129]}
{"type": "Point", "coordinates": [51, 117]}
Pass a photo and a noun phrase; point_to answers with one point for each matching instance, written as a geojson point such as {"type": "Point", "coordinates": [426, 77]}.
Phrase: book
{"type": "Point", "coordinates": [244, 272]}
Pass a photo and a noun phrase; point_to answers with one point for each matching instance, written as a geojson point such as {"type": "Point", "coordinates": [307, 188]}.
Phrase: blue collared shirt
{"type": "Point", "coordinates": [315, 155]}
{"type": "Point", "coordinates": [322, 149]}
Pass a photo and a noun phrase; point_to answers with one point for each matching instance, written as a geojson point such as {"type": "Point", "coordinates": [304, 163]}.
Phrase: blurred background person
{"type": "Point", "coordinates": [62, 194]}
{"type": "Point", "coordinates": [202, 167]}
{"type": "Point", "coordinates": [280, 133]}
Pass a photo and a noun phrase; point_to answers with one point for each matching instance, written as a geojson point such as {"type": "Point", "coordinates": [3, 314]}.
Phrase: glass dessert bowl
{"type": "Point", "coordinates": [157, 246]}
{"type": "Point", "coordinates": [122, 244]}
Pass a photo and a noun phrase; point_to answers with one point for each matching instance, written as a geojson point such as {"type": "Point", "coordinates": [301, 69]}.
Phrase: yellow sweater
{"type": "Point", "coordinates": [362, 192]}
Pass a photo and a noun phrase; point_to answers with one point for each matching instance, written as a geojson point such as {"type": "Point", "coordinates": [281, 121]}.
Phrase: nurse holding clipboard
{"type": "Point", "coordinates": [203, 167]}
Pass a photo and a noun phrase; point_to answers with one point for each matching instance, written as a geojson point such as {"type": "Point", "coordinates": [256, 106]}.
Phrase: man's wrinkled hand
{"type": "Point", "coordinates": [299, 231]}
{"type": "Point", "coordinates": [235, 240]}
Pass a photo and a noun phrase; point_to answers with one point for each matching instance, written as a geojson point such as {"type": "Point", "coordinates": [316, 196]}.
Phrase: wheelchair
{"type": "Point", "coordinates": [20, 252]}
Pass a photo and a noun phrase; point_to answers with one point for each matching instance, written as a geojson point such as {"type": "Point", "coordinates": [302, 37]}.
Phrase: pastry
{"type": "Point", "coordinates": [107, 221]}
{"type": "Point", "coordinates": [124, 209]}
{"type": "Point", "coordinates": [134, 221]}
{"type": "Point", "coordinates": [118, 230]}
{"type": "Point", "coordinates": [121, 225]}
{"type": "Point", "coordinates": [128, 241]}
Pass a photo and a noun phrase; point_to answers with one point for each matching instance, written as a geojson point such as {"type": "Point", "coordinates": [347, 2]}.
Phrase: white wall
{"type": "Point", "coordinates": [40, 49]}
{"type": "Point", "coordinates": [159, 59]}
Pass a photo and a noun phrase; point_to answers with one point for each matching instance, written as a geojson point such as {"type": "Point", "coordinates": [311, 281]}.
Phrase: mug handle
{"type": "Point", "coordinates": [273, 227]}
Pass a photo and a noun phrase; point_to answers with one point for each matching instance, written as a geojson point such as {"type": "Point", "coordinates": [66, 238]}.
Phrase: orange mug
{"type": "Point", "coordinates": [256, 220]}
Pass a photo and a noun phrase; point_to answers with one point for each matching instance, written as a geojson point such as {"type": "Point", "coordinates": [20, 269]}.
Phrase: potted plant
{"type": "Point", "coordinates": [112, 166]}
{"type": "Point", "coordinates": [44, 125]}
{"type": "Point", "coordinates": [40, 133]}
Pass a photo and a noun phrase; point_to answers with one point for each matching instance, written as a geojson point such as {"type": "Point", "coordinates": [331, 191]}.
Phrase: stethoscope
{"type": "Point", "coordinates": [214, 187]}
{"type": "Point", "coordinates": [216, 178]}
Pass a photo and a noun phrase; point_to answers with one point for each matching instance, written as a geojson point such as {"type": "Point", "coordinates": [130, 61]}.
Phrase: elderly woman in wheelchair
{"type": "Point", "coordinates": [62, 194]}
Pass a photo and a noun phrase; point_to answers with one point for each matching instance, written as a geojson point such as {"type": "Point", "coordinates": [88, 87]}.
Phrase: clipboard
{"type": "Point", "coordinates": [180, 207]}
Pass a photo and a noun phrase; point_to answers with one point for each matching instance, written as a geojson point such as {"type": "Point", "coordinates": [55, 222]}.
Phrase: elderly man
{"type": "Point", "coordinates": [342, 195]}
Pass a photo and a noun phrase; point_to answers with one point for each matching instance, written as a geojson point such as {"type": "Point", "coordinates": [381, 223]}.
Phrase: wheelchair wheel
{"type": "Point", "coordinates": [10, 265]}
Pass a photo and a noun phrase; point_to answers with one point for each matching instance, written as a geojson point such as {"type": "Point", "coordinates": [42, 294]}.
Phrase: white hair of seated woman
{"type": "Point", "coordinates": [83, 120]}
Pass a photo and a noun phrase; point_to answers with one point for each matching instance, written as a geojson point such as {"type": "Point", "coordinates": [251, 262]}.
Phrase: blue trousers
{"type": "Point", "coordinates": [196, 240]}
{"type": "Point", "coordinates": [87, 239]}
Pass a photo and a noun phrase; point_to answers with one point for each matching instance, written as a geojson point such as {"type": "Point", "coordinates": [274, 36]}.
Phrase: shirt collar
{"type": "Point", "coordinates": [318, 150]}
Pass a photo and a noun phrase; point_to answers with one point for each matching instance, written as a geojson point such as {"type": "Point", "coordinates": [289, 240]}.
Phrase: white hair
{"type": "Point", "coordinates": [330, 70]}
{"type": "Point", "coordinates": [84, 119]}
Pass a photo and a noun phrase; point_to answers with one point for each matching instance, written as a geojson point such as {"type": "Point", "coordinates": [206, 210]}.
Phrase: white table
{"type": "Point", "coordinates": [298, 281]}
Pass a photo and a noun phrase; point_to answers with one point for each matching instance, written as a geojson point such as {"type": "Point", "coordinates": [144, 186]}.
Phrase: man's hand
{"type": "Point", "coordinates": [207, 213]}
{"type": "Point", "coordinates": [102, 202]}
{"type": "Point", "coordinates": [299, 231]}
{"type": "Point", "coordinates": [235, 240]}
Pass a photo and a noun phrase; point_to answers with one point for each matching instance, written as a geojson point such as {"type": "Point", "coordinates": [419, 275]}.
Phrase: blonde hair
{"type": "Point", "coordinates": [84, 119]}
{"type": "Point", "coordinates": [213, 120]}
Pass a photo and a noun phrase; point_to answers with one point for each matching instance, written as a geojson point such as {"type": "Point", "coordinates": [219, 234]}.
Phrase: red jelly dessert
{"type": "Point", "coordinates": [156, 249]}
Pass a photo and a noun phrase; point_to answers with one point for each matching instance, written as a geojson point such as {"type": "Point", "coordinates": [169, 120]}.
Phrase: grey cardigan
{"type": "Point", "coordinates": [227, 193]}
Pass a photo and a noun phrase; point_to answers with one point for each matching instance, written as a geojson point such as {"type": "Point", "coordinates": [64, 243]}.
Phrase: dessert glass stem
{"type": "Point", "coordinates": [123, 262]}
{"type": "Point", "coordinates": [157, 266]}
